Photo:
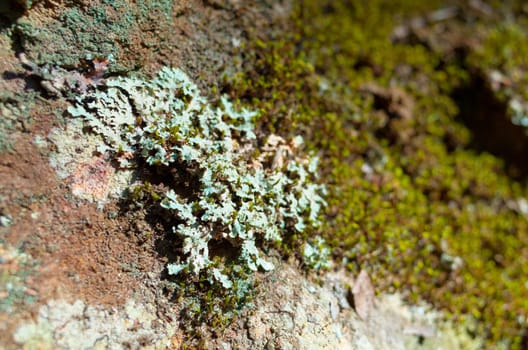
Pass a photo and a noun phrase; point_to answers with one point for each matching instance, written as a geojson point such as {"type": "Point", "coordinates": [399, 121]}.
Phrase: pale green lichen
{"type": "Point", "coordinates": [316, 254]}
{"type": "Point", "coordinates": [239, 199]}
{"type": "Point", "coordinates": [5, 220]}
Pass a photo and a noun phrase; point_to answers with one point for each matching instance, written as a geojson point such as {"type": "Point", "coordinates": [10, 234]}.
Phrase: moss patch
{"type": "Point", "coordinates": [411, 200]}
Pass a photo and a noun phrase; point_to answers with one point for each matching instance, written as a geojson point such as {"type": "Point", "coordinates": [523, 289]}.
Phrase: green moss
{"type": "Point", "coordinates": [212, 305]}
{"type": "Point", "coordinates": [409, 200]}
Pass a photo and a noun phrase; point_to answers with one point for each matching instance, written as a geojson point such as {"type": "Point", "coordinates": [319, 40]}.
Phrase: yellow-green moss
{"type": "Point", "coordinates": [409, 200]}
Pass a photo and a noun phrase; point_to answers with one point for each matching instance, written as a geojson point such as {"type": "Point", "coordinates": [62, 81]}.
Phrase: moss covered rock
{"type": "Point", "coordinates": [414, 198]}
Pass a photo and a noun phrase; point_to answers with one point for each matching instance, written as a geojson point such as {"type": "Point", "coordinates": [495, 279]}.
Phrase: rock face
{"type": "Point", "coordinates": [292, 313]}
{"type": "Point", "coordinates": [400, 101]}
{"type": "Point", "coordinates": [59, 325]}
{"type": "Point", "coordinates": [298, 313]}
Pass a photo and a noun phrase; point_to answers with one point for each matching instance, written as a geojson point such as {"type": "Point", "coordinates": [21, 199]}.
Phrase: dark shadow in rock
{"type": "Point", "coordinates": [10, 11]}
{"type": "Point", "coordinates": [492, 129]}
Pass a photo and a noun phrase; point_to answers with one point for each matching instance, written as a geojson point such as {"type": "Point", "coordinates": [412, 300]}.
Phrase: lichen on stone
{"type": "Point", "coordinates": [237, 198]}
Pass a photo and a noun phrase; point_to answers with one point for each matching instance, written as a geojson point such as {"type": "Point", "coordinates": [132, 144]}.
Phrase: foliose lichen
{"type": "Point", "coordinates": [237, 197]}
